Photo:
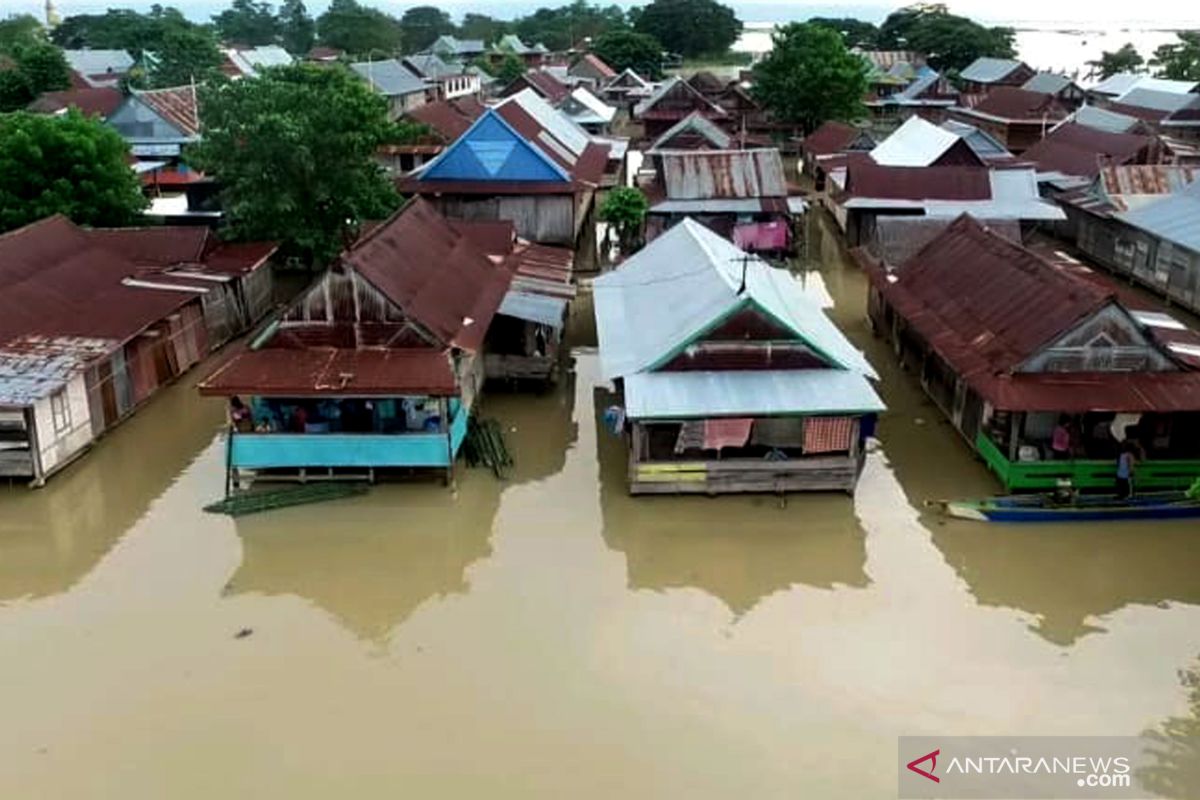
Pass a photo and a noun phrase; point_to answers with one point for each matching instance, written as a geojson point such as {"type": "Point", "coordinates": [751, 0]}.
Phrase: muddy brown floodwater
{"type": "Point", "coordinates": [549, 637]}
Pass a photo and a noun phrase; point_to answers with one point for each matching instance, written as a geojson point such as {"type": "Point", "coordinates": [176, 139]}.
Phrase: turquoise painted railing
{"type": "Point", "coordinates": [268, 450]}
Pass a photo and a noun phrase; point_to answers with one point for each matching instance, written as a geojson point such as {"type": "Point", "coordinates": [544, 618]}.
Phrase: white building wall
{"type": "Point", "coordinates": [55, 448]}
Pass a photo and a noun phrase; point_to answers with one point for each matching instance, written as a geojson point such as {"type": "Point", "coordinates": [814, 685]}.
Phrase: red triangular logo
{"type": "Point", "coordinates": [932, 759]}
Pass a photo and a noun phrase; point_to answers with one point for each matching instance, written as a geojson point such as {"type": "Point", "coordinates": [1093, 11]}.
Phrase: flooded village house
{"type": "Point", "coordinates": [730, 378]}
{"type": "Point", "coordinates": [94, 322]}
{"type": "Point", "coordinates": [523, 161]}
{"type": "Point", "coordinates": [379, 364]}
{"type": "Point", "coordinates": [1011, 346]}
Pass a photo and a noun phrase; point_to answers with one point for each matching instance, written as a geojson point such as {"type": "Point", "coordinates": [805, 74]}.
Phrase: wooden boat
{"type": "Point", "coordinates": [1078, 508]}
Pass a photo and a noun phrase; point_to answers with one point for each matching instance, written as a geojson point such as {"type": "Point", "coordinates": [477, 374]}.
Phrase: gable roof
{"type": "Point", "coordinates": [1074, 149]}
{"type": "Point", "coordinates": [687, 280]}
{"type": "Point", "coordinates": [593, 63]}
{"type": "Point", "coordinates": [832, 137]}
{"type": "Point", "coordinates": [450, 44]}
{"type": "Point", "coordinates": [1047, 83]}
{"type": "Point", "coordinates": [678, 87]}
{"type": "Point", "coordinates": [990, 70]}
{"type": "Point", "coordinates": [448, 118]}
{"type": "Point", "coordinates": [694, 123]}
{"type": "Point", "coordinates": [1132, 186]}
{"type": "Point", "coordinates": [986, 193]}
{"type": "Point", "coordinates": [99, 67]}
{"type": "Point", "coordinates": [723, 174]}
{"type": "Point", "coordinates": [177, 106]}
{"type": "Point", "coordinates": [513, 44]}
{"type": "Point", "coordinates": [248, 61]}
{"type": "Point", "coordinates": [986, 146]}
{"type": "Point", "coordinates": [1175, 218]}
{"type": "Point", "coordinates": [1122, 82]}
{"type": "Point", "coordinates": [916, 143]}
{"type": "Point", "coordinates": [628, 78]}
{"type": "Point", "coordinates": [99, 101]}
{"type": "Point", "coordinates": [430, 66]}
{"type": "Point", "coordinates": [439, 277]}
{"type": "Point", "coordinates": [390, 77]}
{"type": "Point", "coordinates": [544, 83]}
{"type": "Point", "coordinates": [585, 108]}
{"type": "Point", "coordinates": [1010, 104]}
{"type": "Point", "coordinates": [492, 149]}
{"type": "Point", "coordinates": [1142, 96]}
{"type": "Point", "coordinates": [1102, 119]}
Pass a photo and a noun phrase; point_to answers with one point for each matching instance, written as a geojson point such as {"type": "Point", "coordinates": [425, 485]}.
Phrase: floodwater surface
{"type": "Point", "coordinates": [547, 636]}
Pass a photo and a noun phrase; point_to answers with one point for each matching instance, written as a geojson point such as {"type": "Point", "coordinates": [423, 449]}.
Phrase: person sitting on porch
{"type": "Point", "coordinates": [1126, 463]}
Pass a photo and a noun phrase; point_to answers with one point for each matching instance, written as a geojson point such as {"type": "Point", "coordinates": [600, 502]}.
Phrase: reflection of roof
{"type": "Point", "coordinates": [989, 70]}
{"type": "Point", "coordinates": [687, 279]}
{"type": "Point", "coordinates": [299, 372]}
{"type": "Point", "coordinates": [99, 101]}
{"type": "Point", "coordinates": [176, 105]}
{"type": "Point", "coordinates": [389, 77]}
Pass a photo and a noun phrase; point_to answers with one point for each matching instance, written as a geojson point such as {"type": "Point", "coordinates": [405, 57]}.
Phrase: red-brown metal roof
{"type": "Point", "coordinates": [831, 137]}
{"type": "Point", "coordinates": [325, 371]}
{"type": "Point", "coordinates": [439, 277]}
{"type": "Point", "coordinates": [160, 246]}
{"type": "Point", "coordinates": [865, 178]}
{"type": "Point", "coordinates": [1020, 105]}
{"type": "Point", "coordinates": [93, 101]}
{"type": "Point", "coordinates": [595, 62]}
{"type": "Point", "coordinates": [1075, 149]}
{"type": "Point", "coordinates": [986, 305]}
{"type": "Point", "coordinates": [448, 118]}
{"type": "Point", "coordinates": [177, 105]}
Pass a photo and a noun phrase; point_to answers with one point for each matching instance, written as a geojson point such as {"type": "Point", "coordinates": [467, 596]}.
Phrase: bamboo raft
{"type": "Point", "coordinates": [484, 446]}
{"type": "Point", "coordinates": [239, 505]}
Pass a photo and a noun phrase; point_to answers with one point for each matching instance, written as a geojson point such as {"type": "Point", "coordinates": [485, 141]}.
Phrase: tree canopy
{"type": "Point", "coordinates": [1179, 60]}
{"type": "Point", "coordinates": [625, 209]}
{"type": "Point", "coordinates": [854, 32]}
{"type": "Point", "coordinates": [951, 42]}
{"type": "Point", "coordinates": [295, 152]}
{"type": "Point", "coordinates": [422, 25]}
{"type": "Point", "coordinates": [509, 69]}
{"type": "Point", "coordinates": [355, 28]}
{"type": "Point", "coordinates": [563, 27]}
{"type": "Point", "coordinates": [65, 164]}
{"type": "Point", "coordinates": [297, 31]}
{"type": "Point", "coordinates": [121, 29]}
{"type": "Point", "coordinates": [810, 76]}
{"type": "Point", "coordinates": [20, 30]}
{"type": "Point", "coordinates": [482, 27]}
{"type": "Point", "coordinates": [623, 50]}
{"type": "Point", "coordinates": [1126, 59]}
{"type": "Point", "coordinates": [247, 22]}
{"type": "Point", "coordinates": [186, 56]}
{"type": "Point", "coordinates": [690, 27]}
{"type": "Point", "coordinates": [37, 66]}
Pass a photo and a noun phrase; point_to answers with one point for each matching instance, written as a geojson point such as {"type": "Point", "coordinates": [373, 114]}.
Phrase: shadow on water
{"type": "Point", "coordinates": [1062, 575]}
{"type": "Point", "coordinates": [53, 536]}
{"type": "Point", "coordinates": [1173, 748]}
{"type": "Point", "coordinates": [372, 561]}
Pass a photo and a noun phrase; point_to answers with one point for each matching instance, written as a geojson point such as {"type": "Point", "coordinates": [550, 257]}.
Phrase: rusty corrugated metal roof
{"type": "Point", "coordinates": [1075, 149]}
{"type": "Point", "coordinates": [177, 105]}
{"type": "Point", "coordinates": [1125, 184]}
{"type": "Point", "coordinates": [316, 371]}
{"type": "Point", "coordinates": [709, 174]}
{"type": "Point", "coordinates": [865, 178]}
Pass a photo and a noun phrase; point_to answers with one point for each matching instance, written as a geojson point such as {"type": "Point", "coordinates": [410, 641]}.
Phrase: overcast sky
{"type": "Point", "coordinates": [1080, 13]}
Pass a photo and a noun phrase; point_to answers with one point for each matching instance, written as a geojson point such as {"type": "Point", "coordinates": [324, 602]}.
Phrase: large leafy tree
{"type": "Point", "coordinates": [563, 27]}
{"type": "Point", "coordinates": [1179, 60]}
{"type": "Point", "coordinates": [623, 50]}
{"type": "Point", "coordinates": [187, 56]}
{"type": "Point", "coordinates": [483, 27]}
{"type": "Point", "coordinates": [624, 208]}
{"type": "Point", "coordinates": [422, 25]}
{"type": "Point", "coordinates": [121, 29]}
{"type": "Point", "coordinates": [36, 67]}
{"type": "Point", "coordinates": [810, 77]}
{"type": "Point", "coordinates": [1126, 59]}
{"type": "Point", "coordinates": [690, 27]}
{"type": "Point", "coordinates": [247, 22]}
{"type": "Point", "coordinates": [951, 42]}
{"type": "Point", "coordinates": [854, 32]}
{"type": "Point", "coordinates": [509, 69]}
{"type": "Point", "coordinates": [297, 30]}
{"type": "Point", "coordinates": [20, 30]}
{"type": "Point", "coordinates": [294, 149]}
{"type": "Point", "coordinates": [65, 164]}
{"type": "Point", "coordinates": [354, 28]}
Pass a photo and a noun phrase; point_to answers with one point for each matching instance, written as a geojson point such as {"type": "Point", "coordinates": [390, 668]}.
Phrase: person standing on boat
{"type": "Point", "coordinates": [1126, 464]}
{"type": "Point", "coordinates": [1060, 440]}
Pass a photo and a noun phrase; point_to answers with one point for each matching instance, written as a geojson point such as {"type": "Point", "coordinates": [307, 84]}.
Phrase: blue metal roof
{"type": "Point", "coordinates": [1175, 218]}
{"type": "Point", "coordinates": [491, 150]}
{"type": "Point", "coordinates": [676, 395]}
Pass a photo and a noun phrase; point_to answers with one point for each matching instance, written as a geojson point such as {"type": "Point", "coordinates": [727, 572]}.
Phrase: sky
{"type": "Point", "coordinates": [1089, 14]}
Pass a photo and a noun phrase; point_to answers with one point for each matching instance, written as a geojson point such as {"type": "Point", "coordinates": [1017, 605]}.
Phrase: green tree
{"type": "Point", "coordinates": [19, 30]}
{"type": "Point", "coordinates": [37, 67]}
{"type": "Point", "coordinates": [297, 31]}
{"type": "Point", "coordinates": [623, 50]}
{"type": "Point", "coordinates": [624, 208]}
{"type": "Point", "coordinates": [482, 27]}
{"type": "Point", "coordinates": [509, 69]}
{"type": "Point", "coordinates": [247, 22]}
{"type": "Point", "coordinates": [810, 77]}
{"type": "Point", "coordinates": [950, 42]}
{"type": "Point", "coordinates": [1126, 59]}
{"type": "Point", "coordinates": [422, 25]}
{"type": "Point", "coordinates": [1179, 60]}
{"type": "Point", "coordinates": [690, 27]}
{"type": "Point", "coordinates": [354, 28]}
{"type": "Point", "coordinates": [563, 27]}
{"type": "Point", "coordinates": [186, 56]}
{"type": "Point", "coordinates": [854, 32]}
{"type": "Point", "coordinates": [65, 164]}
{"type": "Point", "coordinates": [295, 152]}
{"type": "Point", "coordinates": [121, 29]}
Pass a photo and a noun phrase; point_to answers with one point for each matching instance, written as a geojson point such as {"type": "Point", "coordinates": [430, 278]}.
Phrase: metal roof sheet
{"type": "Point", "coordinates": [1047, 83]}
{"type": "Point", "coordinates": [742, 393]}
{"type": "Point", "coordinates": [1102, 119]}
{"type": "Point", "coordinates": [698, 124]}
{"type": "Point", "coordinates": [100, 101]}
{"type": "Point", "coordinates": [709, 174]}
{"type": "Point", "coordinates": [390, 77]}
{"type": "Point", "coordinates": [1135, 185]}
{"type": "Point", "coordinates": [36, 367]}
{"type": "Point", "coordinates": [989, 70]}
{"type": "Point", "coordinates": [1075, 149]}
{"type": "Point", "coordinates": [754, 205]}
{"type": "Point", "coordinates": [916, 143]}
{"type": "Point", "coordinates": [1142, 96]}
{"type": "Point", "coordinates": [565, 130]}
{"type": "Point", "coordinates": [986, 146]}
{"type": "Point", "coordinates": [1175, 218]}
{"type": "Point", "coordinates": [330, 371]}
{"type": "Point", "coordinates": [1122, 82]}
{"type": "Point", "coordinates": [583, 106]}
{"type": "Point", "coordinates": [533, 307]}
{"type": "Point", "coordinates": [676, 85]}
{"type": "Point", "coordinates": [683, 282]}
{"type": "Point", "coordinates": [249, 60]}
{"type": "Point", "coordinates": [177, 106]}
{"type": "Point", "coordinates": [92, 63]}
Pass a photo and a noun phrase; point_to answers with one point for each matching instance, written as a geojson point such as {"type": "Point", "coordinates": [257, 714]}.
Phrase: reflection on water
{"type": "Point", "coordinates": [1174, 748]}
{"type": "Point", "coordinates": [51, 537]}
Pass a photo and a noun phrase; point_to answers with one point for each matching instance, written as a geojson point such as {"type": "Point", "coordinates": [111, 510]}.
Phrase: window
{"type": "Point", "coordinates": [60, 411]}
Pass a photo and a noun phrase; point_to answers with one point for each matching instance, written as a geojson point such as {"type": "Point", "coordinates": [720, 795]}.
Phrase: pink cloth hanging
{"type": "Point", "coordinates": [720, 433]}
